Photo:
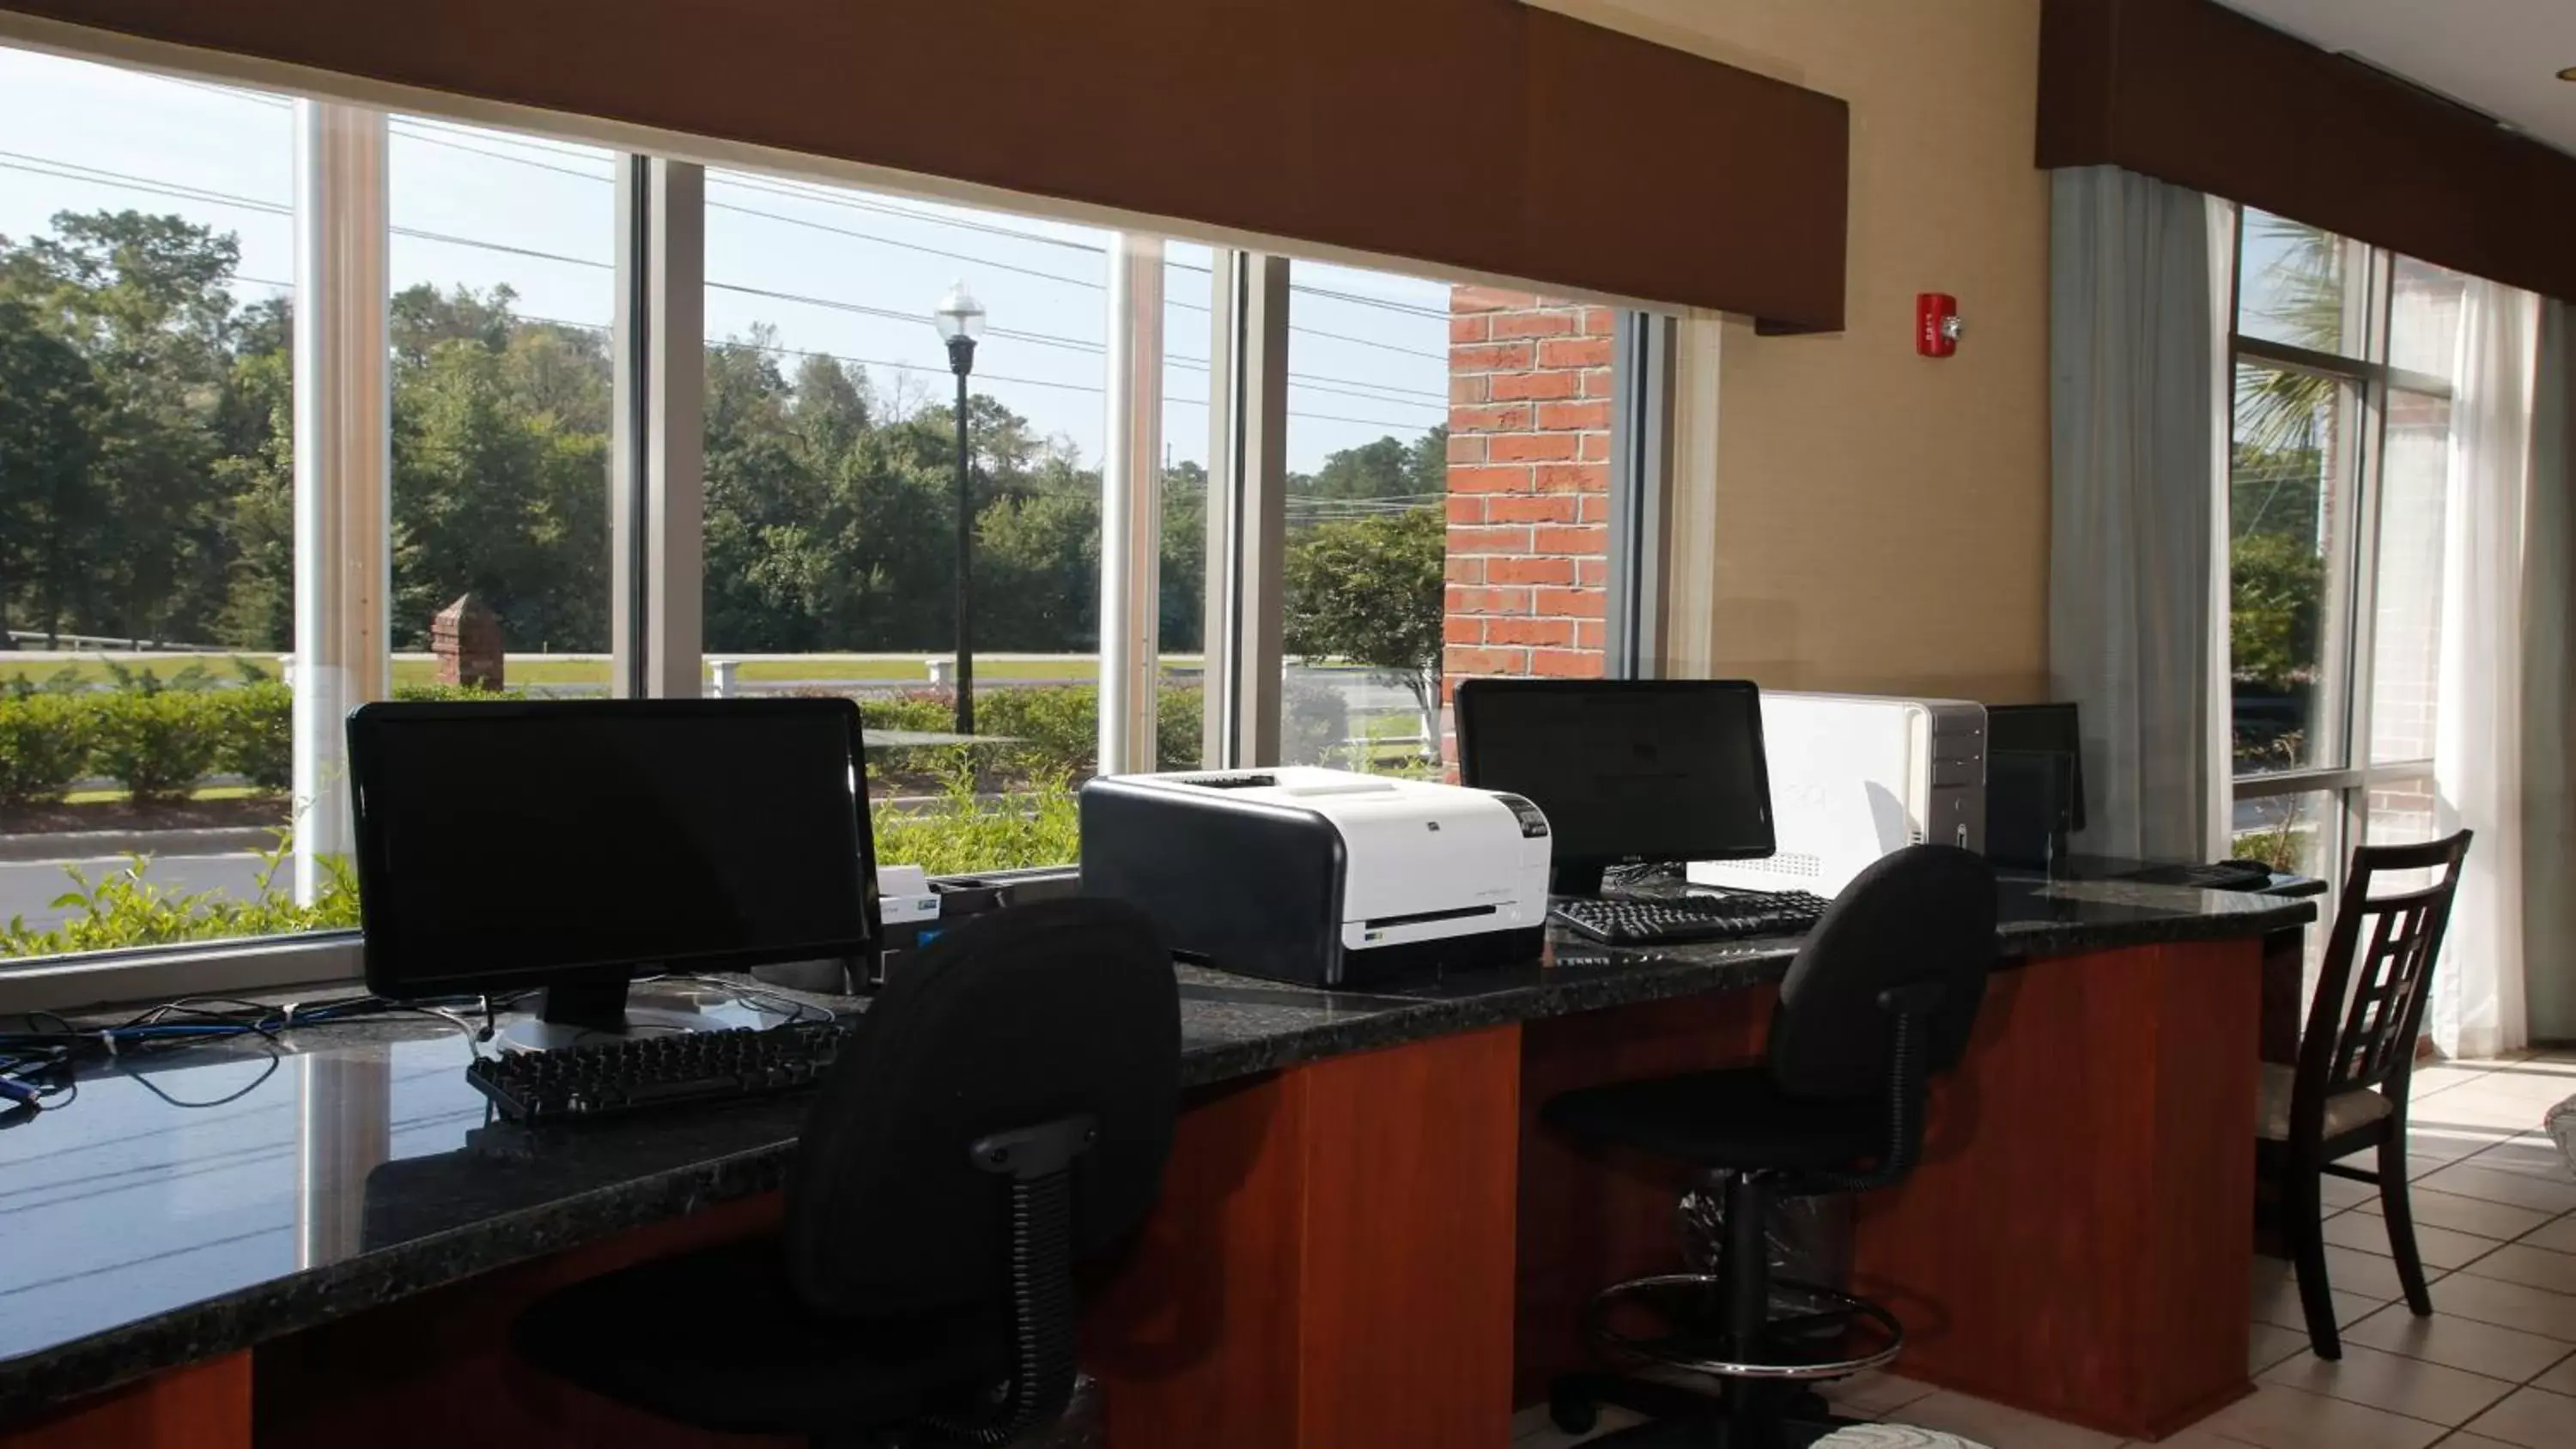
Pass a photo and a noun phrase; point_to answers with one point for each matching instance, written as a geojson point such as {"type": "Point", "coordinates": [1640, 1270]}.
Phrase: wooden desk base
{"type": "Point", "coordinates": [203, 1406]}
{"type": "Point", "coordinates": [2076, 1240]}
{"type": "Point", "coordinates": [1380, 1249]}
{"type": "Point", "coordinates": [1331, 1263]}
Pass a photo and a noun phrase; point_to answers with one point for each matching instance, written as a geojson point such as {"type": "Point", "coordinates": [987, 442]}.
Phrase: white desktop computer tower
{"type": "Point", "coordinates": [1854, 777]}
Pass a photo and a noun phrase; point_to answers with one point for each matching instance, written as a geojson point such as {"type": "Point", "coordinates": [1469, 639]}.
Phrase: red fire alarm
{"type": "Point", "coordinates": [1936, 324]}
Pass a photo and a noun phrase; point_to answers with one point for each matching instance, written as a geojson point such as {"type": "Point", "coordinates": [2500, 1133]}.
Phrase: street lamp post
{"type": "Point", "coordinates": [960, 320]}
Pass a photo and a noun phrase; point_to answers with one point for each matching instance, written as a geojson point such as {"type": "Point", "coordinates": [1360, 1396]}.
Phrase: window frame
{"type": "Point", "coordinates": [656, 468]}
{"type": "Point", "coordinates": [2351, 652]}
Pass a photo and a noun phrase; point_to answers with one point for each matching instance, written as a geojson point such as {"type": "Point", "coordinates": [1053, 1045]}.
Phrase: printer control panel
{"type": "Point", "coordinates": [1533, 822]}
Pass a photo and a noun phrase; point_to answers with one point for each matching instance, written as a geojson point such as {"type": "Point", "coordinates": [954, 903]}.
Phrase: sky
{"type": "Point", "coordinates": [833, 270]}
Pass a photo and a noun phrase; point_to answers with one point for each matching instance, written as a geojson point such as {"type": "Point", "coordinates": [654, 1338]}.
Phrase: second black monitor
{"type": "Point", "coordinates": [2042, 729]}
{"type": "Point", "coordinates": [1627, 770]}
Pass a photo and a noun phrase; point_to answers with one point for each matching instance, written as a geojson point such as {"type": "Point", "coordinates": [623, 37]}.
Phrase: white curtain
{"type": "Point", "coordinates": [2549, 687]}
{"type": "Point", "coordinates": [2134, 405]}
{"type": "Point", "coordinates": [2478, 992]}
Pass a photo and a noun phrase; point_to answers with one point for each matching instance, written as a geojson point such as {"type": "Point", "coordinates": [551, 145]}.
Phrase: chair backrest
{"type": "Point", "coordinates": [1013, 1020]}
{"type": "Point", "coordinates": [1925, 913]}
{"type": "Point", "coordinates": [2370, 998]}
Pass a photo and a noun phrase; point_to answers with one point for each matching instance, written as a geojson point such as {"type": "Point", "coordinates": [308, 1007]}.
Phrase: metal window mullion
{"type": "Point", "coordinates": [676, 545]}
{"type": "Point", "coordinates": [1247, 505]}
{"type": "Point", "coordinates": [657, 488]}
{"type": "Point", "coordinates": [2295, 782]}
{"type": "Point", "coordinates": [343, 451]}
{"type": "Point", "coordinates": [1131, 507]}
{"type": "Point", "coordinates": [193, 969]}
{"type": "Point", "coordinates": [630, 428]}
{"type": "Point", "coordinates": [2289, 357]}
{"type": "Point", "coordinates": [1641, 412]}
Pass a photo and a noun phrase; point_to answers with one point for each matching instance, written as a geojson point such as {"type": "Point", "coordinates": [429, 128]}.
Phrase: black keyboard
{"type": "Point", "coordinates": [1730, 917]}
{"type": "Point", "coordinates": [624, 1074]}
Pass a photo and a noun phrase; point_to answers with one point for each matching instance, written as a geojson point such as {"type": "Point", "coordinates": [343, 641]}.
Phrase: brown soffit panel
{"type": "Point", "coordinates": [1480, 134]}
{"type": "Point", "coordinates": [2198, 95]}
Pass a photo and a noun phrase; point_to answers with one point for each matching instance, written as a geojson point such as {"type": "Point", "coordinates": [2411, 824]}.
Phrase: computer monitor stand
{"type": "Point", "coordinates": [571, 1013]}
{"type": "Point", "coordinates": [1575, 879]}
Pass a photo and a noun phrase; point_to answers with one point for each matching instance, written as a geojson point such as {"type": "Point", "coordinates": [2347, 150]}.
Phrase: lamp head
{"type": "Point", "coordinates": [959, 314]}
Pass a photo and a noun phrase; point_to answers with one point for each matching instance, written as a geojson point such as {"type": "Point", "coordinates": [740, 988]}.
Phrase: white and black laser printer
{"type": "Point", "coordinates": [1321, 877]}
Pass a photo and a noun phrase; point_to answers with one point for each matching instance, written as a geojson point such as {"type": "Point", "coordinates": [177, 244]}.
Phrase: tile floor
{"type": "Point", "coordinates": [2493, 1368]}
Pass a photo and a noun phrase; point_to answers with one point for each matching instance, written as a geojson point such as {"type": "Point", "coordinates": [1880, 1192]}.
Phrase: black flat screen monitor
{"type": "Point", "coordinates": [2041, 729]}
{"type": "Point", "coordinates": [2030, 799]}
{"type": "Point", "coordinates": [573, 845]}
{"type": "Point", "coordinates": [1627, 770]}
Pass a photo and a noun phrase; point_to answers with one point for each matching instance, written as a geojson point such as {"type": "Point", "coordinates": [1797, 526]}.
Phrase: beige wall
{"type": "Point", "coordinates": [1882, 518]}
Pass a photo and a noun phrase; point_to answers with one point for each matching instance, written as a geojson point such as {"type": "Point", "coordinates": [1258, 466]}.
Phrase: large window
{"type": "Point", "coordinates": [833, 493]}
{"type": "Point", "coordinates": [502, 260]}
{"type": "Point", "coordinates": [147, 568]}
{"type": "Point", "coordinates": [2335, 503]}
{"type": "Point", "coordinates": [575, 423]}
{"type": "Point", "coordinates": [1367, 500]}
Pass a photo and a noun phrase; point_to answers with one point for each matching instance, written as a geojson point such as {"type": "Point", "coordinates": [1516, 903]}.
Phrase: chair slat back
{"type": "Point", "coordinates": [2377, 977]}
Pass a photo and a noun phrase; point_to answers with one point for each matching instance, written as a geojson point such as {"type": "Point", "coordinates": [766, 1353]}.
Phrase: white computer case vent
{"type": "Point", "coordinates": [1788, 864]}
{"type": "Point", "coordinates": [1854, 777]}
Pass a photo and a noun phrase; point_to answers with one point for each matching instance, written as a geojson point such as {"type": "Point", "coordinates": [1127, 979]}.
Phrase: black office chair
{"type": "Point", "coordinates": [1880, 1000]}
{"type": "Point", "coordinates": [1003, 1109]}
{"type": "Point", "coordinates": [2356, 1065]}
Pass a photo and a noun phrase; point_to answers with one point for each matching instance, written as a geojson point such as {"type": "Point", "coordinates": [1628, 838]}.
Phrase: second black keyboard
{"type": "Point", "coordinates": [628, 1073]}
{"type": "Point", "coordinates": [1733, 917]}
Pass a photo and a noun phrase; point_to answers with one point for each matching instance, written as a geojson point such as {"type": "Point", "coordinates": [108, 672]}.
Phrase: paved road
{"type": "Point", "coordinates": [27, 888]}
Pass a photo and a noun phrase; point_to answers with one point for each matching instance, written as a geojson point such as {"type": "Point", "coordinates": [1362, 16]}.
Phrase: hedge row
{"type": "Point", "coordinates": [158, 744]}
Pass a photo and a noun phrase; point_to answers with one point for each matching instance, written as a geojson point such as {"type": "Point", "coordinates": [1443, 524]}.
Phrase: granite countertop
{"type": "Point", "coordinates": [221, 1196]}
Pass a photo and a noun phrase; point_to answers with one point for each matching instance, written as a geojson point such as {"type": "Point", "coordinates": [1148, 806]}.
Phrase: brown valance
{"type": "Point", "coordinates": [2193, 93]}
{"type": "Point", "coordinates": [1481, 134]}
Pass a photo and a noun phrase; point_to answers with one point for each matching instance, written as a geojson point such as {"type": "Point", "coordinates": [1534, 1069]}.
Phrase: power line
{"type": "Point", "coordinates": [1092, 389]}
{"type": "Point", "coordinates": [99, 176]}
{"type": "Point", "coordinates": [398, 128]}
{"type": "Point", "coordinates": [232, 93]}
{"type": "Point", "coordinates": [829, 198]}
{"type": "Point", "coordinates": [67, 172]}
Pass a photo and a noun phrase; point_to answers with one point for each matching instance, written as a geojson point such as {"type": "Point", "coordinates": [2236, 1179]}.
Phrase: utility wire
{"type": "Point", "coordinates": [20, 161]}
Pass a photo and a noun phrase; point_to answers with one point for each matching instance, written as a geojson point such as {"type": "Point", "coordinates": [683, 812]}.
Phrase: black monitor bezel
{"type": "Point", "coordinates": [390, 976]}
{"type": "Point", "coordinates": [1471, 692]}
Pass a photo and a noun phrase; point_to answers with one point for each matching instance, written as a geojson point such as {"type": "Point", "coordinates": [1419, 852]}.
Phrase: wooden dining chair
{"type": "Point", "coordinates": [2356, 1058]}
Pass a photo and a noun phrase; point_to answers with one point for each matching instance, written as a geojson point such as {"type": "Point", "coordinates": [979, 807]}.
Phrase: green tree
{"type": "Point", "coordinates": [255, 478]}
{"type": "Point", "coordinates": [49, 407]}
{"type": "Point", "coordinates": [142, 299]}
{"type": "Point", "coordinates": [500, 471]}
{"type": "Point", "coordinates": [1184, 558]}
{"type": "Point", "coordinates": [1369, 590]}
{"type": "Point", "coordinates": [2277, 584]}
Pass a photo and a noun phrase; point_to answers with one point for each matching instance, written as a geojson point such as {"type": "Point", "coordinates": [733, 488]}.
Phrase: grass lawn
{"type": "Point", "coordinates": [210, 792]}
{"type": "Point", "coordinates": [570, 669]}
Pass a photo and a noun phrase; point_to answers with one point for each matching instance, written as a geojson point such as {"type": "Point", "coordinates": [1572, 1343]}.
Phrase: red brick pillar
{"type": "Point", "coordinates": [465, 637]}
{"type": "Point", "coordinates": [1529, 486]}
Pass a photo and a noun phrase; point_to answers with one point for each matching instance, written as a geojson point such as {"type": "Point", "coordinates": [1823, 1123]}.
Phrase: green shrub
{"type": "Point", "coordinates": [452, 692]}
{"type": "Point", "coordinates": [257, 726]}
{"type": "Point", "coordinates": [1054, 729]}
{"type": "Point", "coordinates": [45, 744]}
{"type": "Point", "coordinates": [912, 710]}
{"type": "Point", "coordinates": [1180, 720]}
{"type": "Point", "coordinates": [158, 743]}
{"type": "Point", "coordinates": [966, 833]}
{"type": "Point", "coordinates": [1316, 724]}
{"type": "Point", "coordinates": [124, 909]}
